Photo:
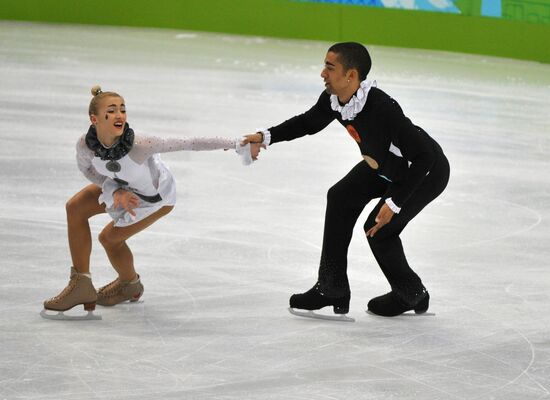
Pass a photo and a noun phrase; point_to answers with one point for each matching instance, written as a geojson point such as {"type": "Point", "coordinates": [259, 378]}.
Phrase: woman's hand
{"type": "Point", "coordinates": [125, 199]}
{"type": "Point", "coordinates": [384, 216]}
{"type": "Point", "coordinates": [256, 144]}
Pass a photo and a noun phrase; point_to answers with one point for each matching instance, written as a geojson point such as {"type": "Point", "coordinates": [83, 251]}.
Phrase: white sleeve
{"type": "Point", "coordinates": [108, 189]}
{"type": "Point", "coordinates": [146, 146]}
{"type": "Point", "coordinates": [84, 158]}
{"type": "Point", "coordinates": [392, 205]}
{"type": "Point", "coordinates": [267, 136]}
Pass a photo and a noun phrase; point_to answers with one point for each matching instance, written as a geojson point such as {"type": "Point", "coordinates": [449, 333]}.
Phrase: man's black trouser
{"type": "Point", "coordinates": [345, 202]}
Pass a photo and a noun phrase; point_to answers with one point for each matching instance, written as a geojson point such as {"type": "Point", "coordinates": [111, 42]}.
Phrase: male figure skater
{"type": "Point", "coordinates": [402, 166]}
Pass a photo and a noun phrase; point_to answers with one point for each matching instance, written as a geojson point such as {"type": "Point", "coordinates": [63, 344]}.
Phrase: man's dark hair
{"type": "Point", "coordinates": [353, 55]}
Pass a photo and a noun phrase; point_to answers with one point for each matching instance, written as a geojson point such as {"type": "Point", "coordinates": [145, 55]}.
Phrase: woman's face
{"type": "Point", "coordinates": [111, 116]}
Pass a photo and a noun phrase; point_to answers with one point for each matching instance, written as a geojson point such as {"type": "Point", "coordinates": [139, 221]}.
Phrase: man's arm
{"type": "Point", "coordinates": [308, 123]}
{"type": "Point", "coordinates": [419, 149]}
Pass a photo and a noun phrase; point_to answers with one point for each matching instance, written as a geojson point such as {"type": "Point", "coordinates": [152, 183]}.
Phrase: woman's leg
{"type": "Point", "coordinates": [80, 289]}
{"type": "Point", "coordinates": [80, 208]}
{"type": "Point", "coordinates": [114, 239]}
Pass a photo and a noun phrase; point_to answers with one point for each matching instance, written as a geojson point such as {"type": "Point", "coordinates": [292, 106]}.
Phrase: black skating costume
{"type": "Point", "coordinates": [403, 166]}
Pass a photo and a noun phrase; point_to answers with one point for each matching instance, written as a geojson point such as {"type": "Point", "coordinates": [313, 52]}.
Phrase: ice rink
{"type": "Point", "coordinates": [218, 271]}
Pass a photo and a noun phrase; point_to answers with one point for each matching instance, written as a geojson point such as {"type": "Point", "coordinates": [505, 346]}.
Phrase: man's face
{"type": "Point", "coordinates": [336, 79]}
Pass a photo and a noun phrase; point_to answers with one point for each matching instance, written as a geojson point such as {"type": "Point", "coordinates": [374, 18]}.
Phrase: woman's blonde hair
{"type": "Point", "coordinates": [98, 96]}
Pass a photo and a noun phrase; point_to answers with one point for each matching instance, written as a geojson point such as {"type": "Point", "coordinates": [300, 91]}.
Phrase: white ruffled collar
{"type": "Point", "coordinates": [354, 106]}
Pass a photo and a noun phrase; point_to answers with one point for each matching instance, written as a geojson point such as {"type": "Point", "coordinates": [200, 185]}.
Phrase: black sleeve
{"type": "Point", "coordinates": [418, 148]}
{"type": "Point", "coordinates": [308, 123]}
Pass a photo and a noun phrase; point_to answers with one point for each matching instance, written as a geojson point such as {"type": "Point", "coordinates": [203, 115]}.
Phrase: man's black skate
{"type": "Point", "coordinates": [313, 299]}
{"type": "Point", "coordinates": [392, 304]}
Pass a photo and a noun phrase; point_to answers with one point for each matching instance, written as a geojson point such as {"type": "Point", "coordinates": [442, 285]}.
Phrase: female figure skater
{"type": "Point", "coordinates": [133, 185]}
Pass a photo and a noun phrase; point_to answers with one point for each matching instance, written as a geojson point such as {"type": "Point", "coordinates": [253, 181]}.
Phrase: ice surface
{"type": "Point", "coordinates": [219, 269]}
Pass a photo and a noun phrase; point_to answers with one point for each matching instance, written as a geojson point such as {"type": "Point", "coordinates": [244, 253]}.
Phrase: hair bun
{"type": "Point", "coordinates": [96, 89]}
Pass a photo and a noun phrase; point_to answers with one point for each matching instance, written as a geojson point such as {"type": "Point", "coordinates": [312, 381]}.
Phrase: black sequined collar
{"type": "Point", "coordinates": [119, 150]}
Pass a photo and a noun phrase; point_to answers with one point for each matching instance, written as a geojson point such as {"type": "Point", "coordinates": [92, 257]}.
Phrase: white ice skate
{"type": "Point", "coordinates": [315, 315]}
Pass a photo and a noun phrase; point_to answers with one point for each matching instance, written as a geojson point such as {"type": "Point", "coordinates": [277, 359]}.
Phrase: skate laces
{"type": "Point", "coordinates": [112, 289]}
{"type": "Point", "coordinates": [68, 289]}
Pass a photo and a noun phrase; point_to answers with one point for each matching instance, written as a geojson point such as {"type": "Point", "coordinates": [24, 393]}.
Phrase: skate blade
{"type": "Point", "coordinates": [311, 314]}
{"type": "Point", "coordinates": [61, 316]}
{"type": "Point", "coordinates": [406, 314]}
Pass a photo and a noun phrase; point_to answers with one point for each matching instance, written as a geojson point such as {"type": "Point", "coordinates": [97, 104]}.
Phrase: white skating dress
{"type": "Point", "coordinates": [140, 171]}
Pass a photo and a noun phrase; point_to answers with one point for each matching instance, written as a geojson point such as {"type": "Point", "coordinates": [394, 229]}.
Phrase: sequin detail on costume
{"type": "Point", "coordinates": [333, 280]}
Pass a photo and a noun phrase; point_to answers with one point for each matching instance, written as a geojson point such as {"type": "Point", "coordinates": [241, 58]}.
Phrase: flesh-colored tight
{"type": "Point", "coordinates": [84, 205]}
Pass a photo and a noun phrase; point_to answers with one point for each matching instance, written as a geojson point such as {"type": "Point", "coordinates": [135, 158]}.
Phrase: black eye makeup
{"type": "Point", "coordinates": [112, 110]}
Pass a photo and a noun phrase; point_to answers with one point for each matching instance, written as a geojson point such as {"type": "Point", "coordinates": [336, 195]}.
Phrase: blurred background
{"type": "Point", "coordinates": [507, 28]}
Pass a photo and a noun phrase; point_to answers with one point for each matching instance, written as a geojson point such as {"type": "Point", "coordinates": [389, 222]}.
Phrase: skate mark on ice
{"type": "Point", "coordinates": [508, 290]}
{"type": "Point", "coordinates": [61, 225]}
{"type": "Point", "coordinates": [193, 302]}
{"type": "Point", "coordinates": [525, 371]}
{"type": "Point", "coordinates": [25, 305]}
{"type": "Point", "coordinates": [221, 240]}
{"type": "Point", "coordinates": [267, 188]}
{"type": "Point", "coordinates": [154, 326]}
{"type": "Point", "coordinates": [464, 345]}
{"type": "Point", "coordinates": [399, 378]}
{"type": "Point", "coordinates": [409, 378]}
{"type": "Point", "coordinates": [199, 349]}
{"type": "Point", "coordinates": [83, 380]}
{"type": "Point", "coordinates": [537, 216]}
{"type": "Point", "coordinates": [93, 357]}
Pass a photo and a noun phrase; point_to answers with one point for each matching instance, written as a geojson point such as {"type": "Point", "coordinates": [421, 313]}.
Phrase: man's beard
{"type": "Point", "coordinates": [328, 90]}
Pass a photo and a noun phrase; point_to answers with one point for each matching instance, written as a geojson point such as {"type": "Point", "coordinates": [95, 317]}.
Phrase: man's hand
{"type": "Point", "coordinates": [384, 216]}
{"type": "Point", "coordinates": [125, 199]}
{"type": "Point", "coordinates": [256, 144]}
